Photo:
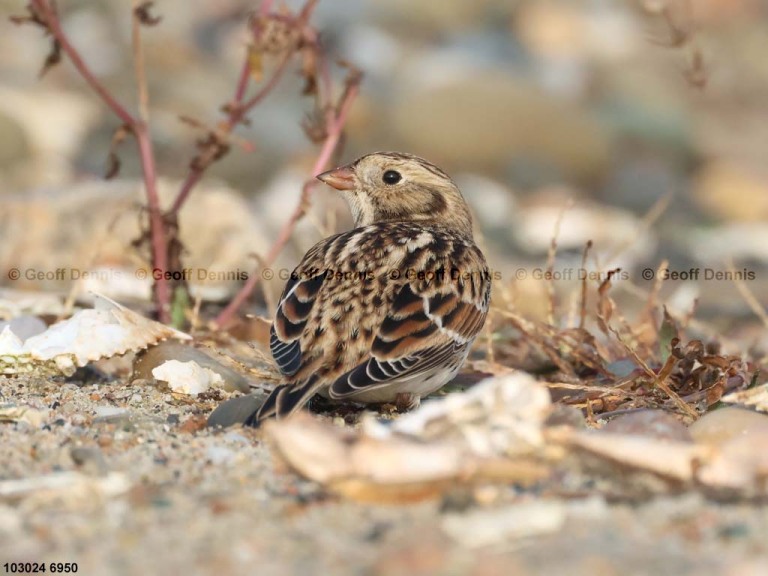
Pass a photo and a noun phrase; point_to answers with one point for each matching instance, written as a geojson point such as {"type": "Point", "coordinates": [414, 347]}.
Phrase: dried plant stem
{"type": "Point", "coordinates": [44, 9]}
{"type": "Point", "coordinates": [551, 255]}
{"type": "Point", "coordinates": [237, 111]}
{"type": "Point", "coordinates": [149, 170]}
{"type": "Point", "coordinates": [658, 379]}
{"type": "Point", "coordinates": [749, 297]}
{"type": "Point", "coordinates": [137, 126]}
{"type": "Point", "coordinates": [335, 128]}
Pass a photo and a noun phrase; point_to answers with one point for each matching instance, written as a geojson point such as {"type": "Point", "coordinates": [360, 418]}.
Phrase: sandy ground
{"type": "Point", "coordinates": [124, 479]}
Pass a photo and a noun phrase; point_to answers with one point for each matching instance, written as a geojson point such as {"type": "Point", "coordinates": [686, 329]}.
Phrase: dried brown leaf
{"type": "Point", "coordinates": [113, 160]}
{"type": "Point", "coordinates": [53, 58]}
{"type": "Point", "coordinates": [143, 14]}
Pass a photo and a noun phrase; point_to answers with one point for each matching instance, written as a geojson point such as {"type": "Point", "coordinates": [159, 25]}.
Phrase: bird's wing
{"type": "Point", "coordinates": [291, 317]}
{"type": "Point", "coordinates": [426, 326]}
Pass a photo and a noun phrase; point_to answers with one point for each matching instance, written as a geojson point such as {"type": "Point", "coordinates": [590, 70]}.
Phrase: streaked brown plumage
{"type": "Point", "coordinates": [389, 309]}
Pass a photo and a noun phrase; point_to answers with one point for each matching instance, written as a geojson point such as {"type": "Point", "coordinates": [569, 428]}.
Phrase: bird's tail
{"type": "Point", "coordinates": [284, 400]}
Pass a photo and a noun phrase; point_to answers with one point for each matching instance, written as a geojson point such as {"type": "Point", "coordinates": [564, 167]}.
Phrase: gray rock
{"type": "Point", "coordinates": [235, 410]}
{"type": "Point", "coordinates": [653, 423]}
{"type": "Point", "coordinates": [111, 415]}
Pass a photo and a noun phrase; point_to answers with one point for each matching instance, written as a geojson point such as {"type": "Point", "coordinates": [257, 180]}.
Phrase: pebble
{"type": "Point", "coordinates": [235, 410]}
{"type": "Point", "coordinates": [723, 425]}
{"type": "Point", "coordinates": [651, 423]}
{"type": "Point", "coordinates": [564, 415]}
{"type": "Point", "coordinates": [479, 528]}
{"type": "Point", "coordinates": [90, 458]}
{"type": "Point", "coordinates": [219, 455]}
{"type": "Point", "coordinates": [110, 414]}
{"type": "Point", "coordinates": [78, 419]}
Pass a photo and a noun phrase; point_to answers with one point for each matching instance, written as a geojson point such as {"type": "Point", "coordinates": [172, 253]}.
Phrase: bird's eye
{"type": "Point", "coordinates": [391, 177]}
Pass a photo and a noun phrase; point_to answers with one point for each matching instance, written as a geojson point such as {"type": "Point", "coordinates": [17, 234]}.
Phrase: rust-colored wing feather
{"type": "Point", "coordinates": [428, 325]}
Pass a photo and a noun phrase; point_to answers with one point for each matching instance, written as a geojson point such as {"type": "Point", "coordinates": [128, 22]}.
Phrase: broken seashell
{"type": "Point", "coordinates": [501, 415]}
{"type": "Point", "coordinates": [107, 330]}
{"type": "Point", "coordinates": [757, 397]}
{"type": "Point", "coordinates": [187, 377]}
{"type": "Point", "coordinates": [147, 361]}
{"type": "Point", "coordinates": [387, 470]}
{"type": "Point", "coordinates": [491, 433]}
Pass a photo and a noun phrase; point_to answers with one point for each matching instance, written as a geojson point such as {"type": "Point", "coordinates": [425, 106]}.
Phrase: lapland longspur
{"type": "Point", "coordinates": [386, 312]}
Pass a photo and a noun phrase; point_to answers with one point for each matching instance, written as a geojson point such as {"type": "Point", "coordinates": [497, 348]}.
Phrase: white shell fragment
{"type": "Point", "coordinates": [503, 415]}
{"type": "Point", "coordinates": [493, 432]}
{"type": "Point", "coordinates": [757, 397]}
{"type": "Point", "coordinates": [496, 432]}
{"type": "Point", "coordinates": [187, 377]}
{"type": "Point", "coordinates": [105, 331]}
{"type": "Point", "coordinates": [479, 528]}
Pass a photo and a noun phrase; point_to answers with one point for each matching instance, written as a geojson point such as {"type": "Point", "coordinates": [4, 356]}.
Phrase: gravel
{"type": "Point", "coordinates": [127, 479]}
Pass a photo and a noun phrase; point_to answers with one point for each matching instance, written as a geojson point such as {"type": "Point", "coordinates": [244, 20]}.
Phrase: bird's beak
{"type": "Point", "coordinates": [340, 178]}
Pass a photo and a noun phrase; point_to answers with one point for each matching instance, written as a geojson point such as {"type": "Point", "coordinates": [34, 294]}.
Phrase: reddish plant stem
{"type": "Point", "coordinates": [246, 106]}
{"type": "Point", "coordinates": [335, 129]}
{"type": "Point", "coordinates": [242, 82]}
{"type": "Point", "coordinates": [156, 222]}
{"type": "Point", "coordinates": [193, 177]}
{"type": "Point", "coordinates": [43, 8]}
{"type": "Point", "coordinates": [140, 131]}
{"type": "Point", "coordinates": [237, 108]}
{"type": "Point", "coordinates": [157, 225]}
{"type": "Point", "coordinates": [236, 115]}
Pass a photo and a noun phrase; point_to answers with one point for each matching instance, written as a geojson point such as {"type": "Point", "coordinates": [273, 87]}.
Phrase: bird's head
{"type": "Point", "coordinates": [396, 187]}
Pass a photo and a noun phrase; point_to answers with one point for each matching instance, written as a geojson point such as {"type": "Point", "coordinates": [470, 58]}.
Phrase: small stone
{"type": "Point", "coordinates": [79, 419]}
{"type": "Point", "coordinates": [721, 426]}
{"type": "Point", "coordinates": [89, 458]}
{"type": "Point", "coordinates": [564, 415]}
{"type": "Point", "coordinates": [651, 423]}
{"type": "Point", "coordinates": [110, 414]}
{"type": "Point", "coordinates": [235, 410]}
{"type": "Point", "coordinates": [220, 455]}
{"type": "Point", "coordinates": [193, 424]}
{"type": "Point", "coordinates": [104, 441]}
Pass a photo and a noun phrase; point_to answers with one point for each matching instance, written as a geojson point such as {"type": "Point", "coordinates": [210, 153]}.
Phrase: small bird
{"type": "Point", "coordinates": [386, 312]}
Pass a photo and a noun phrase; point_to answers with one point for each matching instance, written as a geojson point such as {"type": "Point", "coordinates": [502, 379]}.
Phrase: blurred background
{"type": "Point", "coordinates": [639, 125]}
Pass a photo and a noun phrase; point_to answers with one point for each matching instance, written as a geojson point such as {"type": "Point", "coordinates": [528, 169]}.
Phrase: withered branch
{"type": "Point", "coordinates": [335, 121]}
{"type": "Point", "coordinates": [43, 13]}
